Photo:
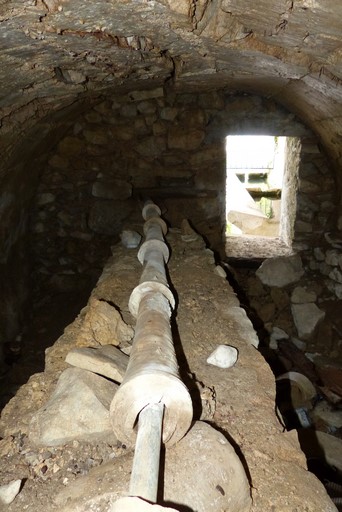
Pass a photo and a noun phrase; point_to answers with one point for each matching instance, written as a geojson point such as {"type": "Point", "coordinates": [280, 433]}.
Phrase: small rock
{"type": "Point", "coordinates": [9, 491]}
{"type": "Point", "coordinates": [130, 239]}
{"type": "Point", "coordinates": [306, 318]}
{"type": "Point", "coordinates": [220, 271]}
{"type": "Point", "coordinates": [224, 356]}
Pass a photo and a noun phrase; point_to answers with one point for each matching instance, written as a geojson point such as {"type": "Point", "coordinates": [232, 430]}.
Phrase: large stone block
{"type": "Point", "coordinates": [77, 409]}
{"type": "Point", "coordinates": [306, 318]}
{"type": "Point", "coordinates": [280, 271]}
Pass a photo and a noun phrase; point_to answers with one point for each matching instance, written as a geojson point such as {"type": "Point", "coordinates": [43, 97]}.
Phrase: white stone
{"type": "Point", "coordinates": [77, 409]}
{"type": "Point", "coordinates": [224, 356]}
{"type": "Point", "coordinates": [220, 271]}
{"type": "Point", "coordinates": [9, 491]}
{"type": "Point", "coordinates": [306, 317]}
{"type": "Point", "coordinates": [130, 239]}
{"type": "Point", "coordinates": [301, 295]}
{"type": "Point", "coordinates": [280, 271]}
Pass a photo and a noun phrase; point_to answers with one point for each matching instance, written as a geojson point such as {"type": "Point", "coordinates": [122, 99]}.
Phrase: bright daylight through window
{"type": "Point", "coordinates": [255, 169]}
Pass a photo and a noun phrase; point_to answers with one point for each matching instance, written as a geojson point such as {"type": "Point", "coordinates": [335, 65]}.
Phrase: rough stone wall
{"type": "Point", "coordinates": [316, 216]}
{"type": "Point", "coordinates": [170, 148]}
{"type": "Point", "coordinates": [149, 143]}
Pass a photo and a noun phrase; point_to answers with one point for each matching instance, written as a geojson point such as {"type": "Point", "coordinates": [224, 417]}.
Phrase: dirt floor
{"type": "Point", "coordinates": [238, 402]}
{"type": "Point", "coordinates": [256, 247]}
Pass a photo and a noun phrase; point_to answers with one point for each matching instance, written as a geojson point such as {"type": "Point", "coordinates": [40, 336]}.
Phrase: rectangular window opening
{"type": "Point", "coordinates": [258, 207]}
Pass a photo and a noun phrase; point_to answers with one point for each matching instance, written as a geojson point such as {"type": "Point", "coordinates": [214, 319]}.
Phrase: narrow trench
{"type": "Point", "coordinates": [288, 415]}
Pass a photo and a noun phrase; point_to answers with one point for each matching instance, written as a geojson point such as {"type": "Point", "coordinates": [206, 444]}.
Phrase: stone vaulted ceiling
{"type": "Point", "coordinates": [55, 53]}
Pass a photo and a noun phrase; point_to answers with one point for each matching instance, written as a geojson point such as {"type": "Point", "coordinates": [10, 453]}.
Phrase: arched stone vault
{"type": "Point", "coordinates": [57, 52]}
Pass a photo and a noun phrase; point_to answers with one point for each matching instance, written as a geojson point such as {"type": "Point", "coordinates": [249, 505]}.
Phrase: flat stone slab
{"type": "Point", "coordinates": [108, 361]}
{"type": "Point", "coordinates": [77, 409]}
